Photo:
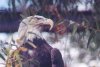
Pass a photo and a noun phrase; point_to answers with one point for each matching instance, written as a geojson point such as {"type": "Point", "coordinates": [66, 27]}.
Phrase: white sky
{"type": "Point", "coordinates": [3, 4]}
{"type": "Point", "coordinates": [81, 7]}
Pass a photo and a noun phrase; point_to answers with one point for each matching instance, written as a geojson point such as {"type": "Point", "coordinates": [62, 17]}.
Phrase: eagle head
{"type": "Point", "coordinates": [32, 26]}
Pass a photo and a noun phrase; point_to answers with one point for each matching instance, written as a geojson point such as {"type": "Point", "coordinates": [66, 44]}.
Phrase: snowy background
{"type": "Point", "coordinates": [74, 51]}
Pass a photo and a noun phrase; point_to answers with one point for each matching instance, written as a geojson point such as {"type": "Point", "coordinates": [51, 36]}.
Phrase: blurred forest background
{"type": "Point", "coordinates": [77, 20]}
{"type": "Point", "coordinates": [59, 10]}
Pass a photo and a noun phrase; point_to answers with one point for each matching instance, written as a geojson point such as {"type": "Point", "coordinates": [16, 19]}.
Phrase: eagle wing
{"type": "Point", "coordinates": [56, 58]}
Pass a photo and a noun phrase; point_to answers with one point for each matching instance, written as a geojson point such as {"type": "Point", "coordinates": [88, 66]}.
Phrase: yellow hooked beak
{"type": "Point", "coordinates": [49, 22]}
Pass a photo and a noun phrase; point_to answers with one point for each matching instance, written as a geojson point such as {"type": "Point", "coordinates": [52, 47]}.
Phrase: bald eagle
{"type": "Point", "coordinates": [39, 53]}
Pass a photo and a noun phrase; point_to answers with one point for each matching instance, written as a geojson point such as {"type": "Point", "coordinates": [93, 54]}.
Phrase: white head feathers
{"type": "Point", "coordinates": [30, 24]}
